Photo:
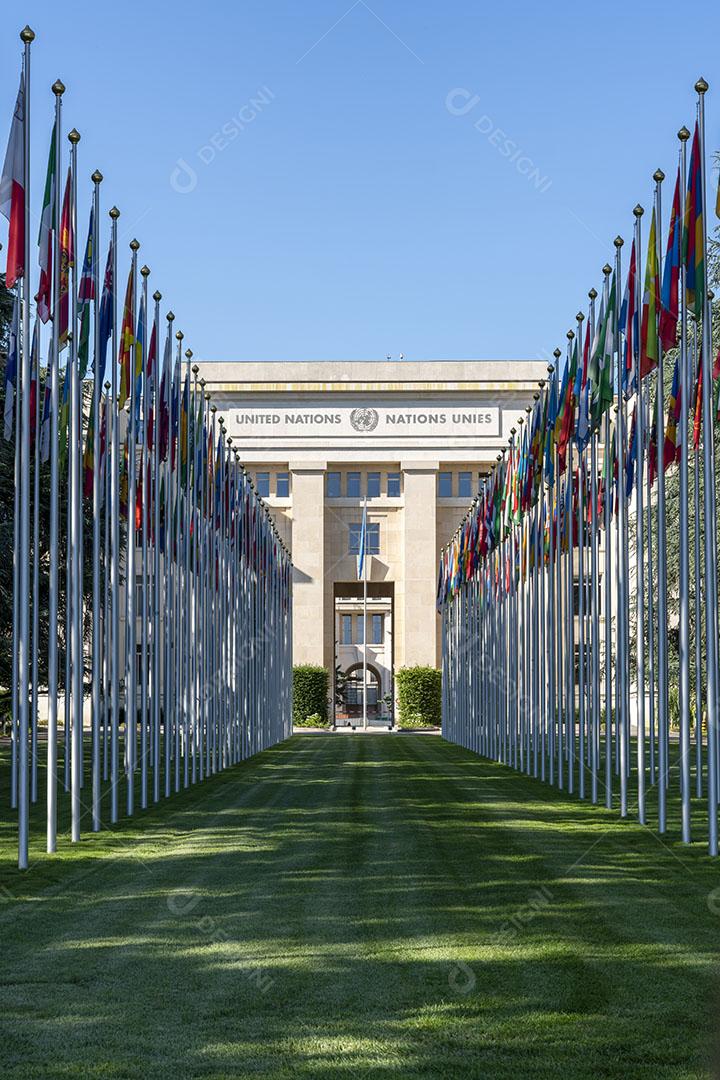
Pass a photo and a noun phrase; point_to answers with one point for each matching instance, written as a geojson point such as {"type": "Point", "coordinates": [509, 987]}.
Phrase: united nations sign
{"type": "Point", "coordinates": [380, 421]}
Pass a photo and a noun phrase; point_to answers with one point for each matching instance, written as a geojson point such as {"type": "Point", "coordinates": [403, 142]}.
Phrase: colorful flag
{"type": "Point", "coordinates": [671, 447]}
{"type": "Point", "coordinates": [67, 259]}
{"type": "Point", "coordinates": [150, 378]}
{"type": "Point", "coordinates": [12, 191]}
{"type": "Point", "coordinates": [11, 368]}
{"type": "Point", "coordinates": [107, 313]}
{"type": "Point", "coordinates": [602, 360]}
{"type": "Point", "coordinates": [693, 241]}
{"type": "Point", "coordinates": [127, 341]}
{"type": "Point", "coordinates": [631, 455]}
{"type": "Point", "coordinates": [649, 351]}
{"type": "Point", "coordinates": [669, 306]}
{"type": "Point", "coordinates": [86, 293]}
{"type": "Point", "coordinates": [628, 324]}
{"type": "Point", "coordinates": [45, 238]}
{"type": "Point", "coordinates": [653, 444]}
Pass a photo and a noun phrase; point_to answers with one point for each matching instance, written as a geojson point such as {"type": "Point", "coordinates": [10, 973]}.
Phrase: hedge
{"type": "Point", "coordinates": [418, 697]}
{"type": "Point", "coordinates": [310, 693]}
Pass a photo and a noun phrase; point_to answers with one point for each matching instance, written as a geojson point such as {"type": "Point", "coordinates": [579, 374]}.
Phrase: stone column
{"type": "Point", "coordinates": [308, 555]}
{"type": "Point", "coordinates": [419, 633]}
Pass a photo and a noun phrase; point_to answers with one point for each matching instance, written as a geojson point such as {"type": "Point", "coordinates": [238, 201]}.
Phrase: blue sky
{"type": "Point", "coordinates": [363, 199]}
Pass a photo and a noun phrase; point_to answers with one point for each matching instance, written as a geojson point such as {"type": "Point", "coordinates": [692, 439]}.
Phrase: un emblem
{"type": "Point", "coordinates": [364, 419]}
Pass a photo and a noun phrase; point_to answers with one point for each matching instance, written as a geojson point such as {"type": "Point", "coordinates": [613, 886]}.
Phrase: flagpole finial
{"type": "Point", "coordinates": [607, 270]}
{"type": "Point", "coordinates": [179, 335]}
{"type": "Point", "coordinates": [541, 383]}
{"type": "Point", "coordinates": [580, 317]}
{"type": "Point", "coordinates": [107, 387]}
{"type": "Point", "coordinates": [58, 88]}
{"type": "Point", "coordinates": [207, 393]}
{"type": "Point", "coordinates": [701, 87]}
{"type": "Point", "coordinates": [638, 211]}
{"type": "Point", "coordinates": [512, 432]}
{"type": "Point", "coordinates": [188, 353]}
{"type": "Point", "coordinates": [114, 213]}
{"type": "Point", "coordinates": [157, 296]}
{"type": "Point", "coordinates": [658, 176]}
{"type": "Point", "coordinates": [683, 134]}
{"type": "Point", "coordinates": [27, 36]}
{"type": "Point", "coordinates": [593, 294]}
{"type": "Point", "coordinates": [195, 369]}
{"type": "Point", "coordinates": [97, 177]}
{"type": "Point", "coordinates": [145, 271]}
{"type": "Point", "coordinates": [570, 335]}
{"type": "Point", "coordinates": [74, 136]}
{"type": "Point", "coordinates": [213, 409]}
{"type": "Point", "coordinates": [230, 441]}
{"type": "Point", "coordinates": [711, 294]}
{"type": "Point", "coordinates": [618, 242]}
{"type": "Point", "coordinates": [134, 245]}
{"type": "Point", "coordinates": [170, 317]}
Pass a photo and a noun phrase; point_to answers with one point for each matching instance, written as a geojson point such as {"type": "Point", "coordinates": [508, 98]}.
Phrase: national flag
{"type": "Point", "coordinates": [631, 455]}
{"type": "Point", "coordinates": [139, 349]}
{"type": "Point", "coordinates": [11, 368]}
{"type": "Point", "coordinates": [184, 416]}
{"type": "Point", "coordinates": [12, 191]}
{"type": "Point", "coordinates": [669, 305]}
{"type": "Point", "coordinates": [47, 401]}
{"type": "Point", "coordinates": [602, 360]}
{"type": "Point", "coordinates": [34, 382]}
{"type": "Point", "coordinates": [653, 444]}
{"type": "Point", "coordinates": [693, 240]}
{"type": "Point", "coordinates": [86, 293]}
{"type": "Point", "coordinates": [628, 324]}
{"type": "Point", "coordinates": [89, 454]}
{"type": "Point", "coordinates": [150, 378]}
{"type": "Point", "coordinates": [45, 238]}
{"type": "Point", "coordinates": [67, 259]}
{"type": "Point", "coordinates": [64, 414]}
{"type": "Point", "coordinates": [127, 340]}
{"type": "Point", "coordinates": [649, 351]}
{"type": "Point", "coordinates": [164, 417]}
{"type": "Point", "coordinates": [671, 447]}
{"type": "Point", "coordinates": [698, 405]}
{"type": "Point", "coordinates": [107, 313]}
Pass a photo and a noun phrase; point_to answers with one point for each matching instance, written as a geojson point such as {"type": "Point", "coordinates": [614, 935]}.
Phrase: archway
{"type": "Point", "coordinates": [353, 694]}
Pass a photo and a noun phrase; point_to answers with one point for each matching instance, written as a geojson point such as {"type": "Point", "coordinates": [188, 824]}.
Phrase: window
{"type": "Point", "coordinates": [372, 542]}
{"type": "Point", "coordinates": [353, 485]}
{"type": "Point", "coordinates": [359, 627]}
{"type": "Point", "coordinates": [373, 485]}
{"type": "Point", "coordinates": [465, 485]}
{"type": "Point", "coordinates": [282, 485]}
{"type": "Point", "coordinates": [333, 485]}
{"type": "Point", "coordinates": [262, 484]}
{"type": "Point", "coordinates": [445, 485]}
{"type": "Point", "coordinates": [376, 629]}
{"type": "Point", "coordinates": [393, 485]}
{"type": "Point", "coordinates": [346, 630]}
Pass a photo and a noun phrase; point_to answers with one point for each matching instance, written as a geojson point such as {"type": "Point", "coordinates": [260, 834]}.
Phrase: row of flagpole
{"type": "Point", "coordinates": [189, 605]}
{"type": "Point", "coordinates": [554, 592]}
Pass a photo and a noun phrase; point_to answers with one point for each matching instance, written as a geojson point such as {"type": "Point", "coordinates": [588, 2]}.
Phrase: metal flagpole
{"type": "Point", "coordinates": [157, 636]}
{"type": "Point", "coordinates": [185, 625]}
{"type": "Point", "coordinates": [684, 579]}
{"type": "Point", "coordinates": [96, 502]}
{"type": "Point", "coordinates": [711, 617]}
{"type": "Point", "coordinates": [698, 588]}
{"type": "Point", "coordinates": [35, 358]}
{"type": "Point", "coordinates": [142, 411]}
{"type": "Point", "coordinates": [168, 624]}
{"type": "Point", "coordinates": [107, 634]}
{"type": "Point", "coordinates": [364, 568]}
{"type": "Point", "coordinates": [623, 672]}
{"type": "Point", "coordinates": [115, 528]}
{"type": "Point", "coordinates": [130, 574]}
{"type": "Point", "coordinates": [27, 36]}
{"type": "Point", "coordinates": [662, 641]}
{"type": "Point", "coordinates": [15, 334]}
{"type": "Point", "coordinates": [640, 539]}
{"type": "Point", "coordinates": [595, 584]}
{"type": "Point", "coordinates": [75, 517]}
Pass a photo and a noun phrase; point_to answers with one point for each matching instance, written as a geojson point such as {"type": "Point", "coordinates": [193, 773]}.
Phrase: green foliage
{"type": "Point", "coordinates": [310, 694]}
{"type": "Point", "coordinates": [419, 697]}
{"type": "Point", "coordinates": [315, 720]}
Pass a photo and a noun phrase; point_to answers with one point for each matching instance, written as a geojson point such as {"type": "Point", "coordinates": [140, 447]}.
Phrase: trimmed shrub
{"type": "Point", "coordinates": [310, 693]}
{"type": "Point", "coordinates": [315, 720]}
{"type": "Point", "coordinates": [419, 697]}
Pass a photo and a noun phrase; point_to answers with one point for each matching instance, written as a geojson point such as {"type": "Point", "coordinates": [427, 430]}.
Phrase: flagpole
{"type": "Point", "coordinates": [107, 636]}
{"type": "Point", "coordinates": [96, 500]}
{"type": "Point", "coordinates": [157, 637]}
{"type": "Point", "coordinates": [640, 540]}
{"type": "Point", "coordinates": [595, 586]}
{"type": "Point", "coordinates": [167, 561]}
{"type": "Point", "coordinates": [144, 486]}
{"type": "Point", "coordinates": [35, 357]}
{"type": "Point", "coordinates": [130, 550]}
{"type": "Point", "coordinates": [711, 616]}
{"type": "Point", "coordinates": [698, 606]}
{"type": "Point", "coordinates": [115, 527]}
{"type": "Point", "coordinates": [17, 407]}
{"type": "Point", "coordinates": [662, 652]}
{"type": "Point", "coordinates": [186, 628]}
{"type": "Point", "coordinates": [365, 724]}
{"type": "Point", "coordinates": [27, 37]}
{"type": "Point", "coordinates": [623, 673]}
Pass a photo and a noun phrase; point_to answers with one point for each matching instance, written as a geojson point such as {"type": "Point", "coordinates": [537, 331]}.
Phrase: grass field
{"type": "Point", "coordinates": [352, 906]}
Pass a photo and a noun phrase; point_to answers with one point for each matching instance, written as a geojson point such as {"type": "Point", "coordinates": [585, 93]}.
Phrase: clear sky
{"type": "Point", "coordinates": [349, 195]}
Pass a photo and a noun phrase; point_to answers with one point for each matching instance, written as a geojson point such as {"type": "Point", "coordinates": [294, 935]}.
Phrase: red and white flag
{"type": "Point", "coordinates": [12, 191]}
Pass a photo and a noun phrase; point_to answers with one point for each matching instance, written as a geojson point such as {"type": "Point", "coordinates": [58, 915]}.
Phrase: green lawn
{"type": "Point", "coordinates": [352, 906]}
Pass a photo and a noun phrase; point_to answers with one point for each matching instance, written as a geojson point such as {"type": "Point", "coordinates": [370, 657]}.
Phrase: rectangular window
{"type": "Point", "coordinates": [393, 485]}
{"type": "Point", "coordinates": [333, 485]}
{"type": "Point", "coordinates": [282, 485]}
{"type": "Point", "coordinates": [373, 485]}
{"type": "Point", "coordinates": [445, 485]}
{"type": "Point", "coordinates": [346, 630]}
{"type": "Point", "coordinates": [376, 629]}
{"type": "Point", "coordinates": [372, 541]}
{"type": "Point", "coordinates": [465, 485]}
{"type": "Point", "coordinates": [359, 629]}
{"type": "Point", "coordinates": [262, 484]}
{"type": "Point", "coordinates": [353, 485]}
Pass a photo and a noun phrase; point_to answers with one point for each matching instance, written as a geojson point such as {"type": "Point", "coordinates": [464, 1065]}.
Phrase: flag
{"type": "Point", "coordinates": [64, 414]}
{"type": "Point", "coordinates": [671, 275]}
{"type": "Point", "coordinates": [89, 455]}
{"type": "Point", "coordinates": [47, 401]}
{"type": "Point", "coordinates": [164, 416]}
{"type": "Point", "coordinates": [67, 259]}
{"type": "Point", "coordinates": [602, 360]}
{"type": "Point", "coordinates": [628, 324]}
{"type": "Point", "coordinates": [139, 349]}
{"type": "Point", "coordinates": [127, 340]}
{"type": "Point", "coordinates": [12, 191]}
{"type": "Point", "coordinates": [45, 238]}
{"type": "Point", "coordinates": [631, 455]}
{"type": "Point", "coordinates": [86, 293]}
{"type": "Point", "coordinates": [34, 381]}
{"type": "Point", "coordinates": [150, 378]}
{"type": "Point", "coordinates": [184, 415]}
{"type": "Point", "coordinates": [107, 314]}
{"type": "Point", "coordinates": [698, 406]}
{"type": "Point", "coordinates": [363, 544]}
{"type": "Point", "coordinates": [653, 444]}
{"type": "Point", "coordinates": [11, 368]}
{"type": "Point", "coordinates": [649, 333]}
{"type": "Point", "coordinates": [671, 447]}
{"type": "Point", "coordinates": [693, 242]}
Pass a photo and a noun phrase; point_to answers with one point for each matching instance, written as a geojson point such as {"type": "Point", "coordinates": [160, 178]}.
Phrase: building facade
{"type": "Point", "coordinates": [408, 439]}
